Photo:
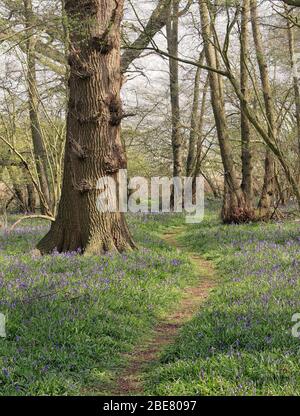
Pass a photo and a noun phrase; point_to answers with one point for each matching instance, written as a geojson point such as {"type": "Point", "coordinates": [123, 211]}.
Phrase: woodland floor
{"type": "Point", "coordinates": [143, 323]}
{"type": "Point", "coordinates": [166, 330]}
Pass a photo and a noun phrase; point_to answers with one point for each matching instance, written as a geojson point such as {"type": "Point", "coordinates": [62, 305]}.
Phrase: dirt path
{"type": "Point", "coordinates": [130, 381]}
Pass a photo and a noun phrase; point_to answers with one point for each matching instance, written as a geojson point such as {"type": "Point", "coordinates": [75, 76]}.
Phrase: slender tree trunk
{"type": "Point", "coordinates": [198, 162]}
{"type": "Point", "coordinates": [30, 193]}
{"type": "Point", "coordinates": [234, 206]}
{"type": "Point", "coordinates": [212, 186]}
{"type": "Point", "coordinates": [269, 140]}
{"type": "Point", "coordinates": [194, 132]}
{"type": "Point", "coordinates": [291, 39]}
{"type": "Point", "coordinates": [292, 2]}
{"type": "Point", "coordinates": [266, 199]}
{"type": "Point", "coordinates": [281, 191]}
{"type": "Point", "coordinates": [18, 191]}
{"type": "Point", "coordinates": [247, 168]}
{"type": "Point", "coordinates": [93, 147]}
{"type": "Point", "coordinates": [33, 100]}
{"type": "Point", "coordinates": [156, 23]}
{"type": "Point", "coordinates": [172, 38]}
{"type": "Point", "coordinates": [20, 194]}
{"type": "Point", "coordinates": [31, 198]}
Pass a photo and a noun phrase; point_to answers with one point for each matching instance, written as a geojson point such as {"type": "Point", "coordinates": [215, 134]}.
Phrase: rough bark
{"type": "Point", "coordinates": [93, 146]}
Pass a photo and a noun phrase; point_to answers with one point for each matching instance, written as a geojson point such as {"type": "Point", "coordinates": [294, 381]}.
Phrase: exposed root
{"type": "Point", "coordinates": [239, 216]}
{"type": "Point", "coordinates": [114, 237]}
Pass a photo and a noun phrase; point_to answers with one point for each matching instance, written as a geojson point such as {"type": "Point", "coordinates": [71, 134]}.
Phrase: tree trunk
{"type": "Point", "coordinates": [31, 198]}
{"type": "Point", "coordinates": [20, 194]}
{"type": "Point", "coordinates": [93, 146]}
{"type": "Point", "coordinates": [266, 200]}
{"type": "Point", "coordinates": [291, 39]}
{"type": "Point", "coordinates": [194, 132]}
{"type": "Point", "coordinates": [33, 100]}
{"type": "Point", "coordinates": [172, 38]}
{"type": "Point", "coordinates": [18, 191]}
{"type": "Point", "coordinates": [197, 170]}
{"type": "Point", "coordinates": [156, 23]}
{"type": "Point", "coordinates": [292, 2]}
{"type": "Point", "coordinates": [247, 168]}
{"type": "Point", "coordinates": [234, 205]}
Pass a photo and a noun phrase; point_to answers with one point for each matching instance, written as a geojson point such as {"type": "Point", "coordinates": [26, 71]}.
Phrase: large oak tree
{"type": "Point", "coordinates": [93, 146]}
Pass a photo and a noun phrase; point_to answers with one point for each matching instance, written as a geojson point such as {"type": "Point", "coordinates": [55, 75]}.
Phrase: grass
{"type": "Point", "coordinates": [240, 342]}
{"type": "Point", "coordinates": [70, 318]}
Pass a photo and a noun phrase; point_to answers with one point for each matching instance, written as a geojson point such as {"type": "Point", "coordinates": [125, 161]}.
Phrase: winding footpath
{"type": "Point", "coordinates": [130, 381]}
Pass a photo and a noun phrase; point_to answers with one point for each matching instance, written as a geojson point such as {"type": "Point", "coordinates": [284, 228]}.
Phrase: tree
{"type": "Point", "coordinates": [234, 206]}
{"type": "Point", "coordinates": [247, 168]}
{"type": "Point", "coordinates": [265, 202]}
{"type": "Point", "coordinates": [156, 22]}
{"type": "Point", "coordinates": [172, 38]}
{"type": "Point", "coordinates": [93, 145]}
{"type": "Point", "coordinates": [291, 41]}
{"type": "Point", "coordinates": [194, 129]}
{"type": "Point", "coordinates": [33, 100]}
{"type": "Point", "coordinates": [292, 2]}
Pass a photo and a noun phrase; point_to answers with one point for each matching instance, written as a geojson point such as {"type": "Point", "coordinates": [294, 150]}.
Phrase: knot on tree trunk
{"type": "Point", "coordinates": [77, 149]}
{"type": "Point", "coordinates": [79, 68]}
{"type": "Point", "coordinates": [82, 7]}
{"type": "Point", "coordinates": [116, 160]}
{"type": "Point", "coordinates": [116, 112]}
{"type": "Point", "coordinates": [107, 41]}
{"type": "Point", "coordinates": [84, 186]}
{"type": "Point", "coordinates": [103, 44]}
{"type": "Point", "coordinates": [93, 118]}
